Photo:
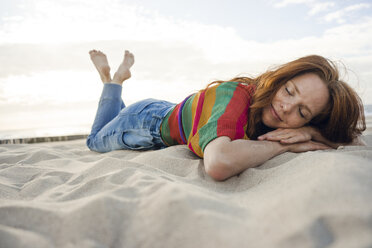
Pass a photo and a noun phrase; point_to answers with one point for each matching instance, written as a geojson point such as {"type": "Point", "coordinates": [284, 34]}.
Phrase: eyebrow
{"type": "Point", "coordinates": [298, 91]}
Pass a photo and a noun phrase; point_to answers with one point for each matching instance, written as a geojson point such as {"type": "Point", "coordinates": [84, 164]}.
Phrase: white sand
{"type": "Point", "coordinates": [63, 195]}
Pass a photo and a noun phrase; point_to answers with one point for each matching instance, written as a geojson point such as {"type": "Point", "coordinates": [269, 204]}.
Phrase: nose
{"type": "Point", "coordinates": [287, 106]}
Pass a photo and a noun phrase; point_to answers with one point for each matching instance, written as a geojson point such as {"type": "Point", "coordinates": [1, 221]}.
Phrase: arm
{"type": "Point", "coordinates": [224, 158]}
{"type": "Point", "coordinates": [303, 134]}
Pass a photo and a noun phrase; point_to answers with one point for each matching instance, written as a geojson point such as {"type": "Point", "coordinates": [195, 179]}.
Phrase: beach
{"type": "Point", "coordinates": [61, 194]}
{"type": "Point", "coordinates": [70, 67]}
{"type": "Point", "coordinates": [369, 125]}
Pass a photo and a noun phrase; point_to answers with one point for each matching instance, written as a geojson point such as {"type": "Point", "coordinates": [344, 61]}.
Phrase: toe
{"type": "Point", "coordinates": [93, 52]}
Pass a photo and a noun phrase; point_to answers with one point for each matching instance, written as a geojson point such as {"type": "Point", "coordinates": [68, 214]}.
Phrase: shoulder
{"type": "Point", "coordinates": [237, 86]}
{"type": "Point", "coordinates": [236, 90]}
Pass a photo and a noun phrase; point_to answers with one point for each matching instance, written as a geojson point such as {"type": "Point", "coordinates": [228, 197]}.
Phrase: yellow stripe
{"type": "Point", "coordinates": [195, 145]}
{"type": "Point", "coordinates": [194, 105]}
{"type": "Point", "coordinates": [209, 99]}
{"type": "Point", "coordinates": [245, 132]}
{"type": "Point", "coordinates": [208, 104]}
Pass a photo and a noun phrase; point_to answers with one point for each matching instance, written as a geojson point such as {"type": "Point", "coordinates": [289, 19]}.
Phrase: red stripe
{"type": "Point", "coordinates": [192, 149]}
{"type": "Point", "coordinates": [173, 122]}
{"type": "Point", "coordinates": [241, 122]}
{"type": "Point", "coordinates": [224, 123]}
{"type": "Point", "coordinates": [198, 113]}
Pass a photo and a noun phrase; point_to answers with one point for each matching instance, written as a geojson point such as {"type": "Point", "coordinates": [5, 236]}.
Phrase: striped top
{"type": "Point", "coordinates": [219, 110]}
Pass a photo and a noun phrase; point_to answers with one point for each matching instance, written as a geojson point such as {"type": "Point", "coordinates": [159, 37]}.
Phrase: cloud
{"type": "Point", "coordinates": [176, 54]}
{"type": "Point", "coordinates": [183, 66]}
{"type": "Point", "coordinates": [315, 7]}
{"type": "Point", "coordinates": [285, 3]}
{"type": "Point", "coordinates": [47, 21]}
{"type": "Point", "coordinates": [320, 7]}
{"type": "Point", "coordinates": [340, 15]}
{"type": "Point", "coordinates": [84, 25]}
{"type": "Point", "coordinates": [12, 18]}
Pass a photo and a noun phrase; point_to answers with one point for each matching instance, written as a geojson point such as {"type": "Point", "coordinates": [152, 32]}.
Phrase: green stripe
{"type": "Point", "coordinates": [165, 130]}
{"type": "Point", "coordinates": [187, 117]}
{"type": "Point", "coordinates": [224, 93]}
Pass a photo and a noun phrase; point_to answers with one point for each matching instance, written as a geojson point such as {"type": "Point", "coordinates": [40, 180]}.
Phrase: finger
{"type": "Point", "coordinates": [295, 138]}
{"type": "Point", "coordinates": [273, 134]}
{"type": "Point", "coordinates": [272, 138]}
{"type": "Point", "coordinates": [281, 136]}
{"type": "Point", "coordinates": [291, 140]}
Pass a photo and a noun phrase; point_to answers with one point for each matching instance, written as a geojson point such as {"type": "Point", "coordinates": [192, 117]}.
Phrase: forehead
{"type": "Point", "coordinates": [312, 91]}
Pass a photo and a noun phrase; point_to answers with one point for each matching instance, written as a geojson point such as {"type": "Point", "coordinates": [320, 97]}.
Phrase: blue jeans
{"type": "Point", "coordinates": [136, 127]}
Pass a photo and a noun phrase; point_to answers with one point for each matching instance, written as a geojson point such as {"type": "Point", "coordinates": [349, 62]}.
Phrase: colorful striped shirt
{"type": "Point", "coordinates": [219, 110]}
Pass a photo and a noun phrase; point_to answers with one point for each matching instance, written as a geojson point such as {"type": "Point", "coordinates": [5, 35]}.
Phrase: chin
{"type": "Point", "coordinates": [271, 126]}
{"type": "Point", "coordinates": [268, 123]}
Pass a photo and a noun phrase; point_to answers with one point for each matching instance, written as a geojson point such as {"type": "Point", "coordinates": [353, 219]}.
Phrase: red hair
{"type": "Point", "coordinates": [341, 121]}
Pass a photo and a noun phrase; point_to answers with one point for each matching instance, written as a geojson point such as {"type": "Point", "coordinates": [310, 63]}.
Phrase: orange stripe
{"type": "Point", "coordinates": [209, 101]}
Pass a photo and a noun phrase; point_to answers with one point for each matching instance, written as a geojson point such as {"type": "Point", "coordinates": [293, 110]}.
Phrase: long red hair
{"type": "Point", "coordinates": [341, 121]}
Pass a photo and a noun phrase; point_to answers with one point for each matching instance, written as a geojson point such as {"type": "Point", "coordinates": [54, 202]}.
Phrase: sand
{"type": "Point", "coordinates": [60, 194]}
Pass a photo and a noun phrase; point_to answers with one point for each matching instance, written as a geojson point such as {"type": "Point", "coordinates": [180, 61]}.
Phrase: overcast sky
{"type": "Point", "coordinates": [180, 46]}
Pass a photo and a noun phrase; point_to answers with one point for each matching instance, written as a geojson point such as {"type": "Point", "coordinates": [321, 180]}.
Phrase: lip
{"type": "Point", "coordinates": [275, 114]}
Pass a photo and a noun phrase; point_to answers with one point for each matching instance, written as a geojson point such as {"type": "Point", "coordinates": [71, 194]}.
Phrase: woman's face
{"type": "Point", "coordinates": [296, 102]}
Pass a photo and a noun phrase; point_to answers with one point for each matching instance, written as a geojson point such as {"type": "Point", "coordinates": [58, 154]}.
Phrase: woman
{"type": "Point", "coordinates": [238, 124]}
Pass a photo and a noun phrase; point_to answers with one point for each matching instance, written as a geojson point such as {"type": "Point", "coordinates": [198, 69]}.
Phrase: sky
{"type": "Point", "coordinates": [48, 85]}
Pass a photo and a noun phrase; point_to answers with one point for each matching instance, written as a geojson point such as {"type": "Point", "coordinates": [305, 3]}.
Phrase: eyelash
{"type": "Point", "coordinates": [289, 93]}
{"type": "Point", "coordinates": [302, 116]}
{"type": "Point", "coordinates": [299, 109]}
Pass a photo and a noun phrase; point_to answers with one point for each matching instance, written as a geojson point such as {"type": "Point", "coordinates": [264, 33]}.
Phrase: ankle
{"type": "Point", "coordinates": [113, 82]}
{"type": "Point", "coordinates": [106, 80]}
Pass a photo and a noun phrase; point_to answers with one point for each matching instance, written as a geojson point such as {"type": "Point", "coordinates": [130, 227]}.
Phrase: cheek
{"type": "Point", "coordinates": [296, 122]}
{"type": "Point", "coordinates": [265, 117]}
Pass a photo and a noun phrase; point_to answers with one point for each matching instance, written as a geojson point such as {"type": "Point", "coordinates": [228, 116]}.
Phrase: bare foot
{"type": "Point", "coordinates": [99, 60]}
{"type": "Point", "coordinates": [123, 72]}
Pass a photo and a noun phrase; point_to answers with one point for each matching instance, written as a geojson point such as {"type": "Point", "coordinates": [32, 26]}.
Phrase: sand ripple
{"type": "Point", "coordinates": [63, 195]}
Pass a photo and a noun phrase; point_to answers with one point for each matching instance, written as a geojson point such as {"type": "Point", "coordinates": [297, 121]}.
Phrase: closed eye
{"type": "Point", "coordinates": [289, 93]}
{"type": "Point", "coordinates": [301, 114]}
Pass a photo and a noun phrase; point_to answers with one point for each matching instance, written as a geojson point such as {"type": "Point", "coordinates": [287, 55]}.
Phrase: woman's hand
{"type": "Point", "coordinates": [290, 136]}
{"type": "Point", "coordinates": [303, 134]}
{"type": "Point", "coordinates": [296, 140]}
